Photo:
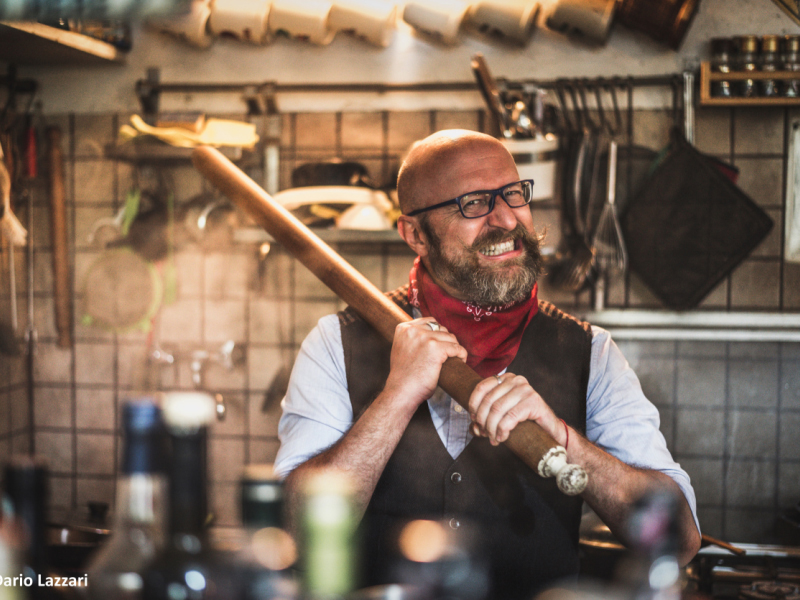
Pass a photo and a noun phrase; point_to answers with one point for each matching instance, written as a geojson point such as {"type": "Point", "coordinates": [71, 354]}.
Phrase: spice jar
{"type": "Point", "coordinates": [721, 51]}
{"type": "Point", "coordinates": [790, 59]}
{"type": "Point", "coordinates": [746, 60]}
{"type": "Point", "coordinates": [769, 63]}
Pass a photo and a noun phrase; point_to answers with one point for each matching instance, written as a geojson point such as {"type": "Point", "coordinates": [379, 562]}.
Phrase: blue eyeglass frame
{"type": "Point", "coordinates": [496, 192]}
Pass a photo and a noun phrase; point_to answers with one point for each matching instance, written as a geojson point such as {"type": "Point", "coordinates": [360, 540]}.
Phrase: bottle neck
{"type": "Point", "coordinates": [188, 502]}
{"type": "Point", "coordinates": [140, 499]}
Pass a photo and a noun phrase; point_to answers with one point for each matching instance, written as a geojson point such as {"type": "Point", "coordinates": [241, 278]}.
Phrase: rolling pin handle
{"type": "Point", "coordinates": [570, 479]}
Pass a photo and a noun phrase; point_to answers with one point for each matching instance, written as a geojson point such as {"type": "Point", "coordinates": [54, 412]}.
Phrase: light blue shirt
{"type": "Point", "coordinates": [619, 418]}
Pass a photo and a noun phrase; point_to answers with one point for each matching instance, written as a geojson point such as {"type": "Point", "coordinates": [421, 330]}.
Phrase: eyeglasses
{"type": "Point", "coordinates": [481, 202]}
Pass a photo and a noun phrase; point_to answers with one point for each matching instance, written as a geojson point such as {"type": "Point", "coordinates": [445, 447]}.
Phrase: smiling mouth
{"type": "Point", "coordinates": [498, 249]}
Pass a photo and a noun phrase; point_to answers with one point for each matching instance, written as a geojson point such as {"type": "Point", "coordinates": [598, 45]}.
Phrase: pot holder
{"type": "Point", "coordinates": [689, 226]}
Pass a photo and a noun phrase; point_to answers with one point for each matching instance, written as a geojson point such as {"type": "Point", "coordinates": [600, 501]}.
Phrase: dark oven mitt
{"type": "Point", "coordinates": [689, 226]}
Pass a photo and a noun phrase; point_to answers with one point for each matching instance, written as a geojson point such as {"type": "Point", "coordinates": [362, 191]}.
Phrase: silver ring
{"type": "Point", "coordinates": [499, 381]}
{"type": "Point", "coordinates": [433, 325]}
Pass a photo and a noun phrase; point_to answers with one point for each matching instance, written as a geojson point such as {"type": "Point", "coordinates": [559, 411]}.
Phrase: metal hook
{"type": "Point", "coordinates": [585, 105]}
{"type": "Point", "coordinates": [575, 106]}
{"type": "Point", "coordinates": [611, 87]}
{"type": "Point", "coordinates": [600, 110]}
{"type": "Point", "coordinates": [562, 100]}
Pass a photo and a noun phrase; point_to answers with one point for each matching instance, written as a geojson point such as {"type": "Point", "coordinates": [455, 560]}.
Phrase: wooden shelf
{"type": "Point", "coordinates": [30, 43]}
{"type": "Point", "coordinates": [256, 235]}
{"type": "Point", "coordinates": [707, 76]}
{"type": "Point", "coordinates": [155, 151]}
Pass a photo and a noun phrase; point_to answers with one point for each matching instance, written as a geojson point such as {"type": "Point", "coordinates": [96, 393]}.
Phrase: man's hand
{"type": "Point", "coordinates": [500, 402]}
{"type": "Point", "coordinates": [418, 353]}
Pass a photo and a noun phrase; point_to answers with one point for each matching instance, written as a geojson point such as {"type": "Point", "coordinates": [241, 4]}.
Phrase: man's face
{"type": "Point", "coordinates": [491, 260]}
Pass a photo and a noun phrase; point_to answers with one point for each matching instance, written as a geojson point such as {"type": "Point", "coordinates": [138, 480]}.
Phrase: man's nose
{"type": "Point", "coordinates": [502, 215]}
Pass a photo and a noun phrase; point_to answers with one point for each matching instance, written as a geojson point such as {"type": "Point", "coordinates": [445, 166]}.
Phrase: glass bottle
{"type": "Point", "coordinates": [188, 567]}
{"type": "Point", "coordinates": [9, 568]}
{"type": "Point", "coordinates": [138, 529]}
{"type": "Point", "coordinates": [26, 487]}
{"type": "Point", "coordinates": [328, 537]}
{"type": "Point", "coordinates": [791, 62]}
{"type": "Point", "coordinates": [746, 61]}
{"type": "Point", "coordinates": [721, 50]}
{"type": "Point", "coordinates": [769, 63]}
{"type": "Point", "coordinates": [269, 551]}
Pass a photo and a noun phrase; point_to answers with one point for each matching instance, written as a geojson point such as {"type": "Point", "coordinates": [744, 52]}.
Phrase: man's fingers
{"type": "Point", "coordinates": [504, 414]}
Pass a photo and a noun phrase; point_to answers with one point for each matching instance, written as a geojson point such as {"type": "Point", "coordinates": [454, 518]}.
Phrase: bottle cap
{"type": "Point", "coordinates": [748, 43]}
{"type": "Point", "coordinates": [144, 437]}
{"type": "Point", "coordinates": [769, 43]}
{"type": "Point", "coordinates": [791, 43]}
{"type": "Point", "coordinates": [721, 46]}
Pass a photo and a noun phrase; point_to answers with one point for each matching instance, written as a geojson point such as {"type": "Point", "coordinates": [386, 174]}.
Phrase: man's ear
{"type": "Point", "coordinates": [411, 232]}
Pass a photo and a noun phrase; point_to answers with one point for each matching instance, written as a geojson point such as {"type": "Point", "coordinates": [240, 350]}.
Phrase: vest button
{"type": "Point", "coordinates": [455, 477]}
{"type": "Point", "coordinates": [454, 523]}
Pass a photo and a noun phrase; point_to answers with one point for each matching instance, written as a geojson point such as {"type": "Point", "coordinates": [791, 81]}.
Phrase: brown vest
{"type": "Point", "coordinates": [518, 525]}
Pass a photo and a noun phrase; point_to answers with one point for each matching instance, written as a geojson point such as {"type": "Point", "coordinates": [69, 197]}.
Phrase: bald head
{"type": "Point", "coordinates": [435, 167]}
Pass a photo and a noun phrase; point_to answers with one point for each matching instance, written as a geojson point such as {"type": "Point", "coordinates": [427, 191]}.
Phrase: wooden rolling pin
{"type": "Point", "coordinates": [528, 440]}
{"type": "Point", "coordinates": [62, 291]}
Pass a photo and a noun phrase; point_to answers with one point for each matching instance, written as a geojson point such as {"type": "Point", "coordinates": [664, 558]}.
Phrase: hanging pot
{"type": "Point", "coordinates": [663, 20]}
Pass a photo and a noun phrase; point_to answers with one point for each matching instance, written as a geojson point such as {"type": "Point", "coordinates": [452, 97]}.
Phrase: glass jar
{"type": "Point", "coordinates": [747, 61]}
{"type": "Point", "coordinates": [790, 59]}
{"type": "Point", "coordinates": [768, 62]}
{"type": "Point", "coordinates": [721, 53]}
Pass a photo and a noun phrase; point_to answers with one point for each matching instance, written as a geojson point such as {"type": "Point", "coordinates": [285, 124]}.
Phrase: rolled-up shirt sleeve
{"type": "Point", "coordinates": [622, 421]}
{"type": "Point", "coordinates": [316, 409]}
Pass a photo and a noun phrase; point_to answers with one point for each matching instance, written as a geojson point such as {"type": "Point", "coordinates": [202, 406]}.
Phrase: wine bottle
{"type": "Point", "coordinates": [268, 551]}
{"type": "Point", "coordinates": [188, 567]}
{"type": "Point", "coordinates": [26, 487]}
{"type": "Point", "coordinates": [138, 527]}
{"type": "Point", "coordinates": [329, 524]}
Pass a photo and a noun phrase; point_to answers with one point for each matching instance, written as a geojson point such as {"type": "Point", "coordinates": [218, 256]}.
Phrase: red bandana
{"type": "Point", "coordinates": [490, 335]}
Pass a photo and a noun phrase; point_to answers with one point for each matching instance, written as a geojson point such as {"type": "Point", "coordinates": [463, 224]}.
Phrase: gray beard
{"type": "Point", "coordinates": [487, 286]}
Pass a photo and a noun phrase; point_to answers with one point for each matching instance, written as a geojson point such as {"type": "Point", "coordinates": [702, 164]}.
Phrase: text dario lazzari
{"type": "Point", "coordinates": [24, 581]}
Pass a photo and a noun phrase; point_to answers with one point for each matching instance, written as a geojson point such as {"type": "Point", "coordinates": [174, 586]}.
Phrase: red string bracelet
{"type": "Point", "coordinates": [566, 444]}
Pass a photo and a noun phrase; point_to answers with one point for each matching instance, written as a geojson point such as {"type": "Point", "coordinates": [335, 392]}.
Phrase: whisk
{"type": "Point", "coordinates": [608, 243]}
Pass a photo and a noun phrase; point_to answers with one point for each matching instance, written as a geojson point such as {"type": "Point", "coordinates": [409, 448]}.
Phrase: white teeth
{"type": "Point", "coordinates": [499, 248]}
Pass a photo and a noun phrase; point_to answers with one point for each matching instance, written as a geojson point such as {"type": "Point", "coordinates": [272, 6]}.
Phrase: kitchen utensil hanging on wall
{"type": "Point", "coordinates": [439, 20]}
{"type": "Point", "coordinates": [245, 20]}
{"type": "Point", "coordinates": [62, 286]}
{"type": "Point", "coordinates": [127, 284]}
{"type": "Point", "coordinates": [491, 95]}
{"type": "Point", "coordinates": [587, 20]}
{"type": "Point", "coordinates": [373, 21]}
{"type": "Point", "coordinates": [607, 241]}
{"type": "Point", "coordinates": [574, 261]}
{"type": "Point", "coordinates": [191, 26]}
{"type": "Point", "coordinates": [665, 21]}
{"type": "Point", "coordinates": [504, 21]}
{"type": "Point", "coordinates": [121, 292]}
{"type": "Point", "coordinates": [306, 20]}
{"type": "Point", "coordinates": [791, 251]}
{"type": "Point", "coordinates": [689, 227]}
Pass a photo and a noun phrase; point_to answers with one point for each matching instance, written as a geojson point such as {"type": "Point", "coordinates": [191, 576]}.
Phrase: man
{"type": "Point", "coordinates": [357, 404]}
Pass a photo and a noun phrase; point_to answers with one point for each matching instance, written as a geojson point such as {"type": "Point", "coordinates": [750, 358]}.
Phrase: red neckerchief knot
{"type": "Point", "coordinates": [491, 335]}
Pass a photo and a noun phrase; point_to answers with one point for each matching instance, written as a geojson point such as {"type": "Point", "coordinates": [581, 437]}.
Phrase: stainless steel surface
{"type": "Point", "coordinates": [491, 95]}
{"type": "Point", "coordinates": [791, 251]}
{"type": "Point", "coordinates": [688, 106]}
{"type": "Point", "coordinates": [632, 324]}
